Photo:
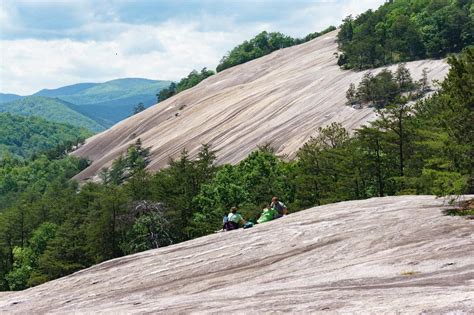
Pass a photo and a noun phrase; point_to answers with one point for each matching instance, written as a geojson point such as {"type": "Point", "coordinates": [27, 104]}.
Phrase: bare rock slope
{"type": "Point", "coordinates": [382, 255]}
{"type": "Point", "coordinates": [281, 98]}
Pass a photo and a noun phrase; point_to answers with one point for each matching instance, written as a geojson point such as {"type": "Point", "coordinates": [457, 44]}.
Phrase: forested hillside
{"type": "Point", "coordinates": [109, 113]}
{"type": "Point", "coordinates": [108, 91]}
{"type": "Point", "coordinates": [109, 102]}
{"type": "Point", "coordinates": [263, 44]}
{"type": "Point", "coordinates": [4, 97]}
{"type": "Point", "coordinates": [50, 109]}
{"type": "Point", "coordinates": [25, 136]}
{"type": "Point", "coordinates": [49, 228]}
{"type": "Point", "coordinates": [192, 79]}
{"type": "Point", "coordinates": [65, 90]}
{"type": "Point", "coordinates": [95, 106]}
{"type": "Point", "coordinates": [404, 30]}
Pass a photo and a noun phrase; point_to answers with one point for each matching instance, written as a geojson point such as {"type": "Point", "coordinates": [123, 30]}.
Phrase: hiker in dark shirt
{"type": "Point", "coordinates": [279, 207]}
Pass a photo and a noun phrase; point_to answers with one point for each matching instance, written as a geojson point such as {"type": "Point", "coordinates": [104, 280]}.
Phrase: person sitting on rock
{"type": "Point", "coordinates": [279, 207]}
{"type": "Point", "coordinates": [268, 214]}
{"type": "Point", "coordinates": [233, 220]}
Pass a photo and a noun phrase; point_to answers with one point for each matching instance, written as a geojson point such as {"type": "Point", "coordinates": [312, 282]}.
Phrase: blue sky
{"type": "Point", "coordinates": [47, 44]}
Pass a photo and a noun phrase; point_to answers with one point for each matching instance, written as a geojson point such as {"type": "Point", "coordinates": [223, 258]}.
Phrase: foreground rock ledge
{"type": "Point", "coordinates": [381, 255]}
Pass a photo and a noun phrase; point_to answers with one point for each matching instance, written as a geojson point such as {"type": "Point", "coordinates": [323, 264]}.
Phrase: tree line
{"type": "Point", "coordinates": [192, 79]}
{"type": "Point", "coordinates": [263, 44]}
{"type": "Point", "coordinates": [404, 30]}
{"type": "Point", "coordinates": [51, 227]}
{"type": "Point", "coordinates": [386, 87]}
{"type": "Point", "coordinates": [23, 136]}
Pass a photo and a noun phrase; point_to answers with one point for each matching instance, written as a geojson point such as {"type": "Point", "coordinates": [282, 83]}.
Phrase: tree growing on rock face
{"type": "Point", "coordinates": [134, 161]}
{"type": "Point", "coordinates": [384, 88]}
{"type": "Point", "coordinates": [423, 83]}
{"type": "Point", "coordinates": [137, 157]}
{"type": "Point", "coordinates": [351, 95]}
{"type": "Point", "coordinates": [331, 136]}
{"type": "Point", "coordinates": [378, 90]}
{"type": "Point", "coordinates": [139, 108]}
{"type": "Point", "coordinates": [365, 89]}
{"type": "Point", "coordinates": [166, 93]}
{"type": "Point", "coordinates": [404, 79]}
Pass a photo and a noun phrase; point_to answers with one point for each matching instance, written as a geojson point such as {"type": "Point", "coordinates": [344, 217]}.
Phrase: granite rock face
{"type": "Point", "coordinates": [281, 98]}
{"type": "Point", "coordinates": [392, 255]}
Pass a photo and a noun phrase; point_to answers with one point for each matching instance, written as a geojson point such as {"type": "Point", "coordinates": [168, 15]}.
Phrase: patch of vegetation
{"type": "Point", "coordinates": [50, 109]}
{"type": "Point", "coordinates": [386, 87]}
{"type": "Point", "coordinates": [404, 30]}
{"type": "Point", "coordinates": [261, 45]}
{"type": "Point", "coordinates": [24, 137]}
{"type": "Point", "coordinates": [193, 78]}
{"type": "Point", "coordinates": [465, 208]}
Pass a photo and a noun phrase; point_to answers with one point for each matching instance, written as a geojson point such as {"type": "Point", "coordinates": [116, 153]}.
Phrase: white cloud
{"type": "Point", "coordinates": [8, 16]}
{"type": "Point", "coordinates": [355, 7]}
{"type": "Point", "coordinates": [321, 14]}
{"type": "Point", "coordinates": [169, 50]}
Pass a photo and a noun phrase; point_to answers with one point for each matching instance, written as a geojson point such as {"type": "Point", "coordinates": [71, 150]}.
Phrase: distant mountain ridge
{"type": "Point", "coordinates": [113, 111]}
{"type": "Point", "coordinates": [8, 97]}
{"type": "Point", "coordinates": [92, 93]}
{"type": "Point", "coordinates": [65, 90]}
{"type": "Point", "coordinates": [98, 106]}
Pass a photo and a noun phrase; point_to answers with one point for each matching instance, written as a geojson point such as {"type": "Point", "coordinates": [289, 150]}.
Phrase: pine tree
{"type": "Point", "coordinates": [351, 95]}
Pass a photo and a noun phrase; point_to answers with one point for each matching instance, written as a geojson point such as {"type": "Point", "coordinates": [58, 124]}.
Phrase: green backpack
{"type": "Point", "coordinates": [267, 215]}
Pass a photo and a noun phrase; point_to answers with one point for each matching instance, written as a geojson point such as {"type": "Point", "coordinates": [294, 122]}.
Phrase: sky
{"type": "Point", "coordinates": [48, 44]}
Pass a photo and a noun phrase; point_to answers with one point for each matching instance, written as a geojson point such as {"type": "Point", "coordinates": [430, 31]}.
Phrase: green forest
{"type": "Point", "coordinates": [386, 87]}
{"type": "Point", "coordinates": [95, 106]}
{"type": "Point", "coordinates": [52, 109]}
{"type": "Point", "coordinates": [261, 45]}
{"type": "Point", "coordinates": [22, 137]}
{"type": "Point", "coordinates": [405, 30]}
{"type": "Point", "coordinates": [50, 226]}
{"type": "Point", "coordinates": [192, 79]}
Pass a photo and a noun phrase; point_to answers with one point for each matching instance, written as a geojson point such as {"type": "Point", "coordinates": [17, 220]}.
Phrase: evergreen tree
{"type": "Point", "coordinates": [351, 95]}
{"type": "Point", "coordinates": [139, 108]}
{"type": "Point", "coordinates": [423, 83]}
{"type": "Point", "coordinates": [403, 78]}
